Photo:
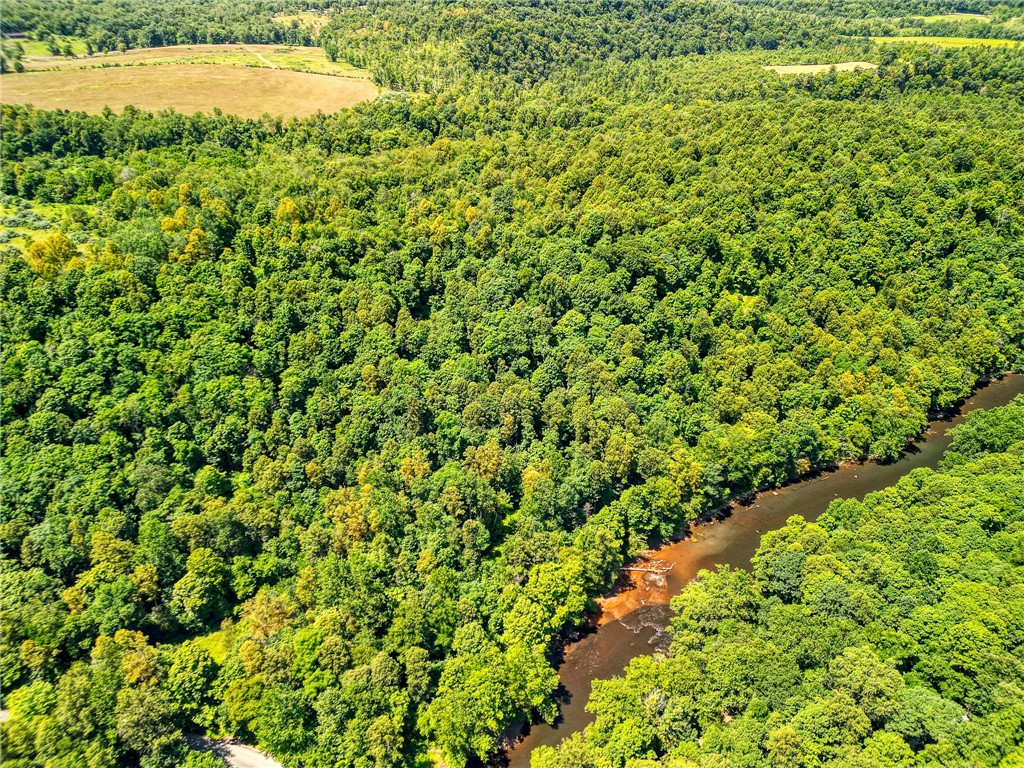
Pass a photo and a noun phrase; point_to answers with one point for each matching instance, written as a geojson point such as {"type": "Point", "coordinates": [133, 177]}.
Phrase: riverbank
{"type": "Point", "coordinates": [633, 618]}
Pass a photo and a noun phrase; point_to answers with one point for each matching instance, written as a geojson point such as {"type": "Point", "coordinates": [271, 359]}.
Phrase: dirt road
{"type": "Point", "coordinates": [233, 755]}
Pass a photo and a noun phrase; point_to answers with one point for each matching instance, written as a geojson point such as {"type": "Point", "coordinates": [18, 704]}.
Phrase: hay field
{"type": "Point", "coordinates": [813, 69]}
{"type": "Point", "coordinates": [188, 88]}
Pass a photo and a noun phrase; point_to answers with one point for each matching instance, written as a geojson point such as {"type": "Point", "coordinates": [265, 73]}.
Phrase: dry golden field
{"type": "Point", "coordinates": [983, 18]}
{"type": "Point", "coordinates": [241, 90]}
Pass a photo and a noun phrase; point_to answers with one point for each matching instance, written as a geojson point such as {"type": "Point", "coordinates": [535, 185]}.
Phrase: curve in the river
{"type": "Point", "coordinates": [633, 620]}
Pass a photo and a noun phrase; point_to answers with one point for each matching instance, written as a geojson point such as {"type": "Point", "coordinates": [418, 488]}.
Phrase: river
{"type": "Point", "coordinates": [633, 619]}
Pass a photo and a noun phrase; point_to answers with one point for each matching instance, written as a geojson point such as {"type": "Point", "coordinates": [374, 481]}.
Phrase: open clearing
{"type": "Point", "coordinates": [246, 91]}
{"type": "Point", "coordinates": [813, 69]}
{"type": "Point", "coordinates": [41, 49]}
{"type": "Point", "coordinates": [305, 59]}
{"type": "Point", "coordinates": [950, 42]}
{"type": "Point", "coordinates": [982, 17]}
{"type": "Point", "coordinates": [305, 20]}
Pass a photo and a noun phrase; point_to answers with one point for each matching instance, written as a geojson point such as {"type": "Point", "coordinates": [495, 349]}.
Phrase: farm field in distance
{"type": "Point", "coordinates": [188, 88]}
{"type": "Point", "coordinates": [247, 80]}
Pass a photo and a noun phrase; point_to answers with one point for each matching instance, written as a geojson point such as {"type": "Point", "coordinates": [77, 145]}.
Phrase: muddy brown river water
{"type": "Point", "coordinates": [633, 620]}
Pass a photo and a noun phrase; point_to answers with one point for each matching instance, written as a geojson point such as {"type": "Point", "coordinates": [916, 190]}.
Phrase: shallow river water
{"type": "Point", "coordinates": [633, 619]}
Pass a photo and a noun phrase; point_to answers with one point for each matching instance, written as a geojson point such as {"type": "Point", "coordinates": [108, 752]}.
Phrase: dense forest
{"type": "Point", "coordinates": [888, 633]}
{"type": "Point", "coordinates": [317, 432]}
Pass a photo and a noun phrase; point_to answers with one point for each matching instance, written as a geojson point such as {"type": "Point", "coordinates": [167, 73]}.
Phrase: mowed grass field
{"type": "Point", "coordinates": [813, 69]}
{"type": "Point", "coordinates": [950, 42]}
{"type": "Point", "coordinates": [188, 88]}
